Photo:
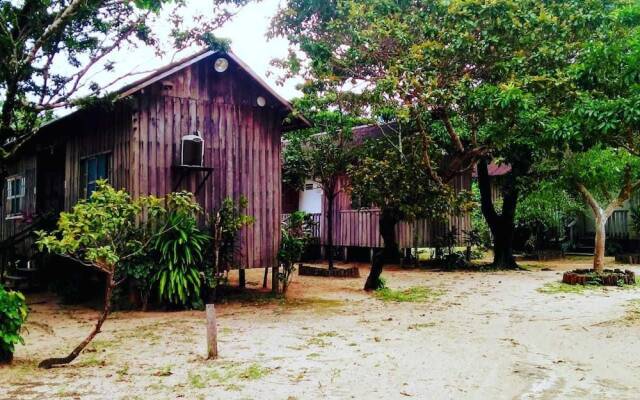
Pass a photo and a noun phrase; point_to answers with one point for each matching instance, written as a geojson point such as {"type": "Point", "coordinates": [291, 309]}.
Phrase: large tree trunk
{"type": "Point", "coordinates": [329, 247]}
{"type": "Point", "coordinates": [52, 362]}
{"type": "Point", "coordinates": [387, 222]}
{"type": "Point", "coordinates": [600, 245]}
{"type": "Point", "coordinates": [502, 225]}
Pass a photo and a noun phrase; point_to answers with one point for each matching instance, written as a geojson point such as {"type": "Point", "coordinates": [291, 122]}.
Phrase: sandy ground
{"type": "Point", "coordinates": [490, 336]}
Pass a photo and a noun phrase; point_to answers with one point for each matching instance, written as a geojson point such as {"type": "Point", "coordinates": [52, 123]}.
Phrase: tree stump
{"type": "Point", "coordinates": [609, 277]}
{"type": "Point", "coordinates": [337, 272]}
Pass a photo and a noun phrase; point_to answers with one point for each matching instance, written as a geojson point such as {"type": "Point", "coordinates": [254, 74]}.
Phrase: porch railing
{"type": "Point", "coordinates": [316, 218]}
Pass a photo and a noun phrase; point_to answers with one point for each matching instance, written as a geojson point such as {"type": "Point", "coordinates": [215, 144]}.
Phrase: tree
{"type": "Point", "coordinates": [604, 178]}
{"type": "Point", "coordinates": [322, 154]}
{"type": "Point", "coordinates": [479, 80]}
{"type": "Point", "coordinates": [102, 233]}
{"type": "Point", "coordinates": [395, 179]}
{"type": "Point", "coordinates": [51, 51]}
{"type": "Point", "coordinates": [597, 140]}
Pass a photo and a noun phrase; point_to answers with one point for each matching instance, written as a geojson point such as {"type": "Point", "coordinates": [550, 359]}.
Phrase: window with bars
{"type": "Point", "coordinates": [93, 169]}
{"type": "Point", "coordinates": [15, 195]}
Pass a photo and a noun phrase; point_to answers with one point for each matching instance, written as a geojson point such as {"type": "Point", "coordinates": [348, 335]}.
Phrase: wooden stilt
{"type": "Point", "coordinates": [264, 280]}
{"type": "Point", "coordinates": [275, 282]}
{"type": "Point", "coordinates": [212, 333]}
{"type": "Point", "coordinates": [242, 278]}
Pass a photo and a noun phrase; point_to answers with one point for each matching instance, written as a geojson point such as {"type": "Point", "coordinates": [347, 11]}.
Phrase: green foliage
{"type": "Point", "coordinates": [496, 70]}
{"type": "Point", "coordinates": [418, 294]}
{"type": "Point", "coordinates": [296, 235]}
{"type": "Point", "coordinates": [225, 224]}
{"type": "Point", "coordinates": [545, 210]}
{"type": "Point", "coordinates": [605, 172]}
{"type": "Point", "coordinates": [104, 230]}
{"type": "Point", "coordinates": [181, 247]}
{"type": "Point", "coordinates": [479, 227]}
{"type": "Point", "coordinates": [149, 241]}
{"type": "Point", "coordinates": [13, 315]}
{"type": "Point", "coordinates": [396, 178]}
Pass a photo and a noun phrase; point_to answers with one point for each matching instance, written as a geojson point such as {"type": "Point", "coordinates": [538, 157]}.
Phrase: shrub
{"type": "Point", "coordinates": [13, 314]}
{"type": "Point", "coordinates": [296, 234]}
{"type": "Point", "coordinates": [225, 224]}
{"type": "Point", "coordinates": [181, 248]}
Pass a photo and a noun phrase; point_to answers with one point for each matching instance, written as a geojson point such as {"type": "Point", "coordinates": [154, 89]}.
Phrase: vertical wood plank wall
{"type": "Point", "coordinates": [242, 145]}
{"type": "Point", "coordinates": [359, 228]}
{"type": "Point", "coordinates": [94, 133]}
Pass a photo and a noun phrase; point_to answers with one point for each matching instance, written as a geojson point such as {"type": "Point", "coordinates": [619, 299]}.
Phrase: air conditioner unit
{"type": "Point", "coordinates": [192, 154]}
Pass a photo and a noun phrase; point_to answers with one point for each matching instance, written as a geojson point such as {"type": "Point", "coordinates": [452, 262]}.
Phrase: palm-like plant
{"type": "Point", "coordinates": [181, 248]}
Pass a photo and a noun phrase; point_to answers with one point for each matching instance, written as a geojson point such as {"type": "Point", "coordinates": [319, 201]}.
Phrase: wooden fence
{"type": "Point", "coordinates": [618, 225]}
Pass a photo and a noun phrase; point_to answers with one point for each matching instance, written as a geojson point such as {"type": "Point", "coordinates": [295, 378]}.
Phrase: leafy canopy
{"type": "Point", "coordinates": [605, 172]}
{"type": "Point", "coordinates": [51, 50]}
{"type": "Point", "coordinates": [13, 315]}
{"type": "Point", "coordinates": [471, 76]}
{"type": "Point", "coordinates": [104, 230]}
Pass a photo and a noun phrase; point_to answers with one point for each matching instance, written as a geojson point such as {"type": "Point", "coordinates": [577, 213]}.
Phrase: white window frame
{"type": "Point", "coordinates": [13, 196]}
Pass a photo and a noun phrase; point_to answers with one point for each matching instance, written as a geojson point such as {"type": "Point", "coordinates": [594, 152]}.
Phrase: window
{"type": "Point", "coordinates": [15, 195]}
{"type": "Point", "coordinates": [308, 186]}
{"type": "Point", "coordinates": [93, 169]}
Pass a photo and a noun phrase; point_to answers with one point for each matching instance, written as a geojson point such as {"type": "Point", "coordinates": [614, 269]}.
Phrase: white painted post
{"type": "Point", "coordinates": [212, 333]}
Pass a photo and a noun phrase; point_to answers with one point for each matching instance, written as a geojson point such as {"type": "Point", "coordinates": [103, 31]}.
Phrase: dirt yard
{"type": "Point", "coordinates": [498, 335]}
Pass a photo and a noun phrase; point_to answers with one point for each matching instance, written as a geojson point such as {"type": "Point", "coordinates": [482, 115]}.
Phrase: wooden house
{"type": "Point", "coordinates": [212, 102]}
{"type": "Point", "coordinates": [356, 226]}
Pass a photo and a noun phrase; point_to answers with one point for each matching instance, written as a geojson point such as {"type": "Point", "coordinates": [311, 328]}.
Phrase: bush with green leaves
{"type": "Point", "coordinates": [297, 231]}
{"type": "Point", "coordinates": [13, 315]}
{"type": "Point", "coordinates": [180, 247]}
{"type": "Point", "coordinates": [225, 223]}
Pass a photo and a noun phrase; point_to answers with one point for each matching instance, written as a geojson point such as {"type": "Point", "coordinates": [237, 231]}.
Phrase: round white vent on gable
{"type": "Point", "coordinates": [221, 64]}
{"type": "Point", "coordinates": [261, 101]}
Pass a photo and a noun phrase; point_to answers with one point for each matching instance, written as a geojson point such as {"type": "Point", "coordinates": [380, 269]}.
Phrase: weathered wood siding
{"type": "Point", "coordinates": [24, 167]}
{"type": "Point", "coordinates": [242, 144]}
{"type": "Point", "coordinates": [92, 133]}
{"type": "Point", "coordinates": [359, 228]}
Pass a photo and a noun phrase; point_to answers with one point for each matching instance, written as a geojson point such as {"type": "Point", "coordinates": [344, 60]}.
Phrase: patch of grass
{"type": "Point", "coordinates": [422, 326]}
{"type": "Point", "coordinates": [196, 381]}
{"type": "Point", "coordinates": [232, 387]}
{"type": "Point", "coordinates": [417, 294]}
{"type": "Point", "coordinates": [92, 361]}
{"type": "Point", "coordinates": [122, 372]}
{"type": "Point", "coordinates": [632, 317]}
{"type": "Point", "coordinates": [164, 371]}
{"type": "Point", "coordinates": [313, 304]}
{"type": "Point", "coordinates": [316, 341]}
{"type": "Point", "coordinates": [254, 372]}
{"type": "Point", "coordinates": [563, 288]}
{"type": "Point", "coordinates": [327, 334]}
